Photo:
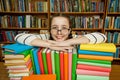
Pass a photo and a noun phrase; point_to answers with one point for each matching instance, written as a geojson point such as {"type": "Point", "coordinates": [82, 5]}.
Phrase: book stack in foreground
{"type": "Point", "coordinates": [17, 60]}
{"type": "Point", "coordinates": [94, 61]}
{"type": "Point", "coordinates": [62, 64]}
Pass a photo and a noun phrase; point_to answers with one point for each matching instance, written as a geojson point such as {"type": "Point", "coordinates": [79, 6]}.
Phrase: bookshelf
{"type": "Point", "coordinates": [96, 11]}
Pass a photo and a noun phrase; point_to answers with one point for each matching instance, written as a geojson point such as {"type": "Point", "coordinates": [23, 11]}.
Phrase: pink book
{"type": "Point", "coordinates": [94, 68]}
{"type": "Point", "coordinates": [90, 72]}
{"type": "Point", "coordinates": [70, 64]}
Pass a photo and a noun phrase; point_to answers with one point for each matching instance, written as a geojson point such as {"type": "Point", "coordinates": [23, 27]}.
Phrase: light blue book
{"type": "Point", "coordinates": [16, 48]}
{"type": "Point", "coordinates": [35, 57]}
{"type": "Point", "coordinates": [95, 53]}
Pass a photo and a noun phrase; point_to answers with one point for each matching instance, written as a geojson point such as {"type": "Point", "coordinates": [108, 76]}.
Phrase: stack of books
{"type": "Point", "coordinates": [17, 60]}
{"type": "Point", "coordinates": [94, 61]}
{"type": "Point", "coordinates": [63, 64]}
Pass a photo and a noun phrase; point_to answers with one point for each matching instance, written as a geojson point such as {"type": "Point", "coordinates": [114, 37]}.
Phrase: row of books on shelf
{"type": "Point", "coordinates": [86, 21]}
{"type": "Point", "coordinates": [76, 6]}
{"type": "Point", "coordinates": [113, 5]}
{"type": "Point", "coordinates": [113, 37]}
{"type": "Point", "coordinates": [91, 61]}
{"type": "Point", "coordinates": [112, 22]}
{"type": "Point", "coordinates": [8, 36]}
{"type": "Point", "coordinates": [23, 5]}
{"type": "Point", "coordinates": [27, 21]}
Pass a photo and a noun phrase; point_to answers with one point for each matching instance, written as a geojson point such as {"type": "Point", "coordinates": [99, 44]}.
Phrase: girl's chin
{"type": "Point", "coordinates": [60, 39]}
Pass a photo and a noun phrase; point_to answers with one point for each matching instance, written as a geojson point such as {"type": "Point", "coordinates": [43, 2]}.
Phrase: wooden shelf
{"type": "Point", "coordinates": [112, 29]}
{"type": "Point", "coordinates": [85, 29]}
{"type": "Point", "coordinates": [13, 28]}
{"type": "Point", "coordinates": [79, 13]}
{"type": "Point", "coordinates": [113, 13]}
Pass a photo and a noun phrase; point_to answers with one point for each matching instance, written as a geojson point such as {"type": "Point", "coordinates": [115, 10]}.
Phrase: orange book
{"type": "Point", "coordinates": [108, 58]}
{"type": "Point", "coordinates": [40, 77]}
{"type": "Point", "coordinates": [65, 66]}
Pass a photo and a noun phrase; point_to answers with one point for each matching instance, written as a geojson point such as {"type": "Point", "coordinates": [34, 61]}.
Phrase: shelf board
{"type": "Point", "coordinates": [113, 13]}
{"type": "Point", "coordinates": [85, 29]}
{"type": "Point", "coordinates": [17, 12]}
{"type": "Point", "coordinates": [24, 28]}
{"type": "Point", "coordinates": [116, 59]}
{"type": "Point", "coordinates": [112, 29]}
{"type": "Point", "coordinates": [79, 13]}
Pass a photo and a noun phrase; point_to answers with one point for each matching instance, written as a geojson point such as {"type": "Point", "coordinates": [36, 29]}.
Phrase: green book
{"type": "Point", "coordinates": [45, 61]}
{"type": "Point", "coordinates": [94, 64]}
{"type": "Point", "coordinates": [8, 55]}
{"type": "Point", "coordinates": [74, 63]}
{"type": "Point", "coordinates": [57, 65]}
{"type": "Point", "coordinates": [95, 61]}
{"type": "Point", "coordinates": [53, 60]}
{"type": "Point", "coordinates": [91, 77]}
{"type": "Point", "coordinates": [33, 64]}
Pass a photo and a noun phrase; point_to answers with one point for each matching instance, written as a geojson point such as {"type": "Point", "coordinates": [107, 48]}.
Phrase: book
{"type": "Point", "coordinates": [40, 77]}
{"type": "Point", "coordinates": [45, 61]}
{"type": "Point", "coordinates": [49, 63]}
{"type": "Point", "coordinates": [65, 65]}
{"type": "Point", "coordinates": [74, 63]}
{"type": "Point", "coordinates": [40, 60]}
{"type": "Point", "coordinates": [93, 68]}
{"type": "Point", "coordinates": [57, 65]}
{"type": "Point", "coordinates": [89, 77]}
{"type": "Point", "coordinates": [95, 57]}
{"type": "Point", "coordinates": [16, 48]}
{"type": "Point", "coordinates": [94, 64]}
{"type": "Point", "coordinates": [70, 64]}
{"type": "Point", "coordinates": [61, 65]}
{"type": "Point", "coordinates": [21, 55]}
{"type": "Point", "coordinates": [95, 53]}
{"type": "Point", "coordinates": [53, 60]}
{"type": "Point", "coordinates": [34, 53]}
{"type": "Point", "coordinates": [91, 72]}
{"type": "Point", "coordinates": [103, 47]}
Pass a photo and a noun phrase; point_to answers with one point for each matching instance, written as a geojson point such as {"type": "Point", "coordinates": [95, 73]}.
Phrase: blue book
{"type": "Point", "coordinates": [95, 53]}
{"type": "Point", "coordinates": [35, 57]}
{"type": "Point", "coordinates": [16, 48]}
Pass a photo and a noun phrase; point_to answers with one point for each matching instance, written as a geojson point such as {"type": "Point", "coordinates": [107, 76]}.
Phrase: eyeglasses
{"type": "Point", "coordinates": [56, 30]}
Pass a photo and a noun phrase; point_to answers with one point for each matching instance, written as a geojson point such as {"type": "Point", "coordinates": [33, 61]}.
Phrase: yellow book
{"type": "Point", "coordinates": [103, 47]}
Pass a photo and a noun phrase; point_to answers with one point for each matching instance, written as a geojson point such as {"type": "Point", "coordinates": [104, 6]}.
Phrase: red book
{"type": "Point", "coordinates": [49, 63]}
{"type": "Point", "coordinates": [61, 65]}
{"type": "Point", "coordinates": [94, 68]}
{"type": "Point", "coordinates": [40, 60]}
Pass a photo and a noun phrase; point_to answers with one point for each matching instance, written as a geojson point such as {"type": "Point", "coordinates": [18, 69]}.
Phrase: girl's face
{"type": "Point", "coordinates": [60, 29]}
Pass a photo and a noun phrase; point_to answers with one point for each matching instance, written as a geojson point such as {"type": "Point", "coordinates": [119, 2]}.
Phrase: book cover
{"type": "Point", "coordinates": [16, 47]}
{"type": "Point", "coordinates": [89, 77]}
{"type": "Point", "coordinates": [103, 47]}
{"type": "Point", "coordinates": [91, 72]}
{"type": "Point", "coordinates": [61, 65]}
{"type": "Point", "coordinates": [74, 63]}
{"type": "Point", "coordinates": [57, 65]}
{"type": "Point", "coordinates": [40, 77]}
{"type": "Point", "coordinates": [35, 57]}
{"type": "Point", "coordinates": [40, 60]}
{"type": "Point", "coordinates": [95, 57]}
{"type": "Point", "coordinates": [93, 68]}
{"type": "Point", "coordinates": [65, 65]}
{"type": "Point", "coordinates": [53, 60]}
{"type": "Point", "coordinates": [95, 53]}
{"type": "Point", "coordinates": [45, 61]}
{"type": "Point", "coordinates": [49, 63]}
